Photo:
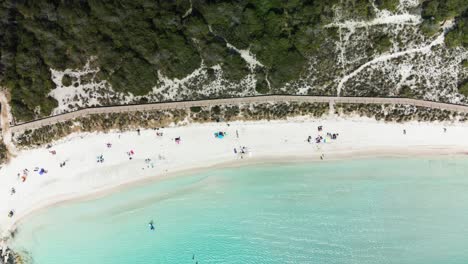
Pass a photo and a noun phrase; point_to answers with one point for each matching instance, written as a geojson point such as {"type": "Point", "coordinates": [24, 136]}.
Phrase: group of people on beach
{"type": "Point", "coordinates": [100, 159]}
{"type": "Point", "coordinates": [130, 154]}
{"type": "Point", "coordinates": [23, 176]}
{"type": "Point", "coordinates": [12, 192]}
{"type": "Point", "coordinates": [158, 134]}
{"type": "Point", "coordinates": [148, 163]}
{"type": "Point", "coordinates": [241, 152]}
{"type": "Point", "coordinates": [320, 138]}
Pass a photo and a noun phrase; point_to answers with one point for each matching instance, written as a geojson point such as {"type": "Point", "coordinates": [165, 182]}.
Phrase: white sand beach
{"type": "Point", "coordinates": [157, 156]}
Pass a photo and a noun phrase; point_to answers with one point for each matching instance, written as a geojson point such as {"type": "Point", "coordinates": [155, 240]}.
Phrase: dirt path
{"type": "Point", "coordinates": [439, 40]}
{"type": "Point", "coordinates": [235, 101]}
{"type": "Point", "coordinates": [5, 124]}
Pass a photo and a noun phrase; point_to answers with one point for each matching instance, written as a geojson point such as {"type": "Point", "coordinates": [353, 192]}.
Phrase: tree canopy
{"type": "Point", "coordinates": [132, 41]}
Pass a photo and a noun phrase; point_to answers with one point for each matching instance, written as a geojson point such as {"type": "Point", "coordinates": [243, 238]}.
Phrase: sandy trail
{"type": "Point", "coordinates": [5, 124]}
{"type": "Point", "coordinates": [424, 49]}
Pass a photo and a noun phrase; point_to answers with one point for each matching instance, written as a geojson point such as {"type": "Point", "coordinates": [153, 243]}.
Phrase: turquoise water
{"type": "Point", "coordinates": [363, 211]}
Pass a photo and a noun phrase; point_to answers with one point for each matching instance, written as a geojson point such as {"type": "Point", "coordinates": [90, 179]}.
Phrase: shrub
{"type": "Point", "coordinates": [67, 80]}
{"type": "Point", "coordinates": [390, 5]}
{"type": "Point", "coordinates": [463, 87]}
{"type": "Point", "coordinates": [195, 109]}
{"type": "Point", "coordinates": [382, 43]}
{"type": "Point", "coordinates": [458, 36]}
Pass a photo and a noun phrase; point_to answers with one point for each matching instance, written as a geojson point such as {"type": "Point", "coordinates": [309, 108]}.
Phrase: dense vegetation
{"type": "Point", "coordinates": [3, 152]}
{"type": "Point", "coordinates": [388, 4]}
{"type": "Point", "coordinates": [133, 41]}
{"type": "Point", "coordinates": [399, 113]}
{"type": "Point", "coordinates": [463, 88]}
{"type": "Point", "coordinates": [458, 36]}
{"type": "Point", "coordinates": [435, 12]}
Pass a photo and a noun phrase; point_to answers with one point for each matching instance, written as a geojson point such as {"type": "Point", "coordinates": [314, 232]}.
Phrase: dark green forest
{"type": "Point", "coordinates": [133, 39]}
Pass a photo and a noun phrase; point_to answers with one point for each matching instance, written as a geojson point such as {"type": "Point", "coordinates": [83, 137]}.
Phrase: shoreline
{"type": "Point", "coordinates": [285, 144]}
{"type": "Point", "coordinates": [259, 161]}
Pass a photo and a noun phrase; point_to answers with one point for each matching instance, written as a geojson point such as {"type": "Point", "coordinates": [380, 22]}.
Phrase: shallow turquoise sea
{"type": "Point", "coordinates": [360, 211]}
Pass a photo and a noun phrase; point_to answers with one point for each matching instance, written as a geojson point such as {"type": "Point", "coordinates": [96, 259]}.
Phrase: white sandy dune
{"type": "Point", "coordinates": [82, 175]}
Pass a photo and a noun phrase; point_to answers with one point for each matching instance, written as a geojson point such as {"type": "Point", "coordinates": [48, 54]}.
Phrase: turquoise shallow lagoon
{"type": "Point", "coordinates": [359, 211]}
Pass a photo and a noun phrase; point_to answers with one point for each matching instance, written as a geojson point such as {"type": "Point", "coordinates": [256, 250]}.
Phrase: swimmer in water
{"type": "Point", "coordinates": [151, 225]}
